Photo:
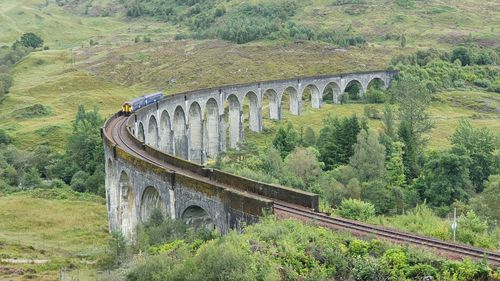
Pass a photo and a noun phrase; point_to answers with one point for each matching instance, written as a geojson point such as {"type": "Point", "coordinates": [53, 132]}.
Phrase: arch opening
{"type": "Point", "coordinates": [153, 134]}
{"type": "Point", "coordinates": [195, 133]}
{"type": "Point", "coordinates": [331, 93]}
{"type": "Point", "coordinates": [250, 105]}
{"type": "Point", "coordinates": [180, 138]}
{"type": "Point", "coordinates": [376, 84]}
{"type": "Point", "coordinates": [354, 90]}
{"type": "Point", "coordinates": [311, 95]}
{"type": "Point", "coordinates": [270, 105]}
{"type": "Point", "coordinates": [212, 128]}
{"type": "Point", "coordinates": [150, 201]}
{"type": "Point", "coordinates": [198, 218]}
{"type": "Point", "coordinates": [126, 207]}
{"type": "Point", "coordinates": [140, 133]}
{"type": "Point", "coordinates": [165, 132]}
{"type": "Point", "coordinates": [289, 98]}
{"type": "Point", "coordinates": [232, 117]}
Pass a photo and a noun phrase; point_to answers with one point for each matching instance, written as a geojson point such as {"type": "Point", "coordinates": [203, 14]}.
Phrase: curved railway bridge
{"type": "Point", "coordinates": [154, 160]}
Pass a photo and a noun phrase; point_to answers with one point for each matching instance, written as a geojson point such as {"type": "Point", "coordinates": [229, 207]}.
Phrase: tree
{"type": "Point", "coordinates": [5, 82]}
{"type": "Point", "coordinates": [479, 144]}
{"type": "Point", "coordinates": [85, 144]}
{"type": "Point", "coordinates": [486, 203]}
{"type": "Point", "coordinates": [445, 179]}
{"type": "Point", "coordinates": [388, 121]}
{"type": "Point", "coordinates": [386, 199]}
{"type": "Point", "coordinates": [304, 164]}
{"type": "Point", "coordinates": [31, 178]}
{"type": "Point", "coordinates": [356, 209]}
{"type": "Point", "coordinates": [336, 139]}
{"type": "Point", "coordinates": [309, 137]}
{"type": "Point", "coordinates": [286, 140]}
{"type": "Point", "coordinates": [412, 98]}
{"type": "Point", "coordinates": [31, 40]}
{"type": "Point", "coordinates": [272, 163]}
{"type": "Point", "coordinates": [462, 54]}
{"type": "Point", "coordinates": [395, 174]}
{"type": "Point", "coordinates": [368, 160]}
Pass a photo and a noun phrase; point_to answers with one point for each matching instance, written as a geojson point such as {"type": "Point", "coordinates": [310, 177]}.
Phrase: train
{"type": "Point", "coordinates": [129, 107]}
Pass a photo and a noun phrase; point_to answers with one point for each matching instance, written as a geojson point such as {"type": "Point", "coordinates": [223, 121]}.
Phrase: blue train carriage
{"type": "Point", "coordinates": [133, 105]}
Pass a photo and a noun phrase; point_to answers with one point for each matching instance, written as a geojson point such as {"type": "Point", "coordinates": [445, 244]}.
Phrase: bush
{"type": "Point", "coordinates": [356, 209]}
{"type": "Point", "coordinates": [115, 254]}
{"type": "Point", "coordinates": [376, 96]}
{"type": "Point", "coordinates": [372, 112]}
{"type": "Point", "coordinates": [483, 83]}
{"type": "Point", "coordinates": [31, 40]}
{"type": "Point", "coordinates": [4, 138]}
{"type": "Point", "coordinates": [368, 269]}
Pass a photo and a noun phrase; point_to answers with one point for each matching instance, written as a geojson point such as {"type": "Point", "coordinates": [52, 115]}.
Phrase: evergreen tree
{"type": "Point", "coordinates": [368, 160]}
{"type": "Point", "coordinates": [336, 139]}
{"type": "Point", "coordinates": [309, 137]}
{"type": "Point", "coordinates": [395, 174]}
{"type": "Point", "coordinates": [286, 140]}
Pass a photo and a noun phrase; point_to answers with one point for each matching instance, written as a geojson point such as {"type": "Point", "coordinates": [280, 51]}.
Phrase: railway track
{"type": "Point", "coordinates": [454, 250]}
{"type": "Point", "coordinates": [117, 130]}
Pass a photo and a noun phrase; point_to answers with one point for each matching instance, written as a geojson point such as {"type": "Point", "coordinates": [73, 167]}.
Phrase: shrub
{"type": "Point", "coordinates": [483, 83]}
{"type": "Point", "coordinates": [368, 269]}
{"type": "Point", "coordinates": [115, 254]}
{"type": "Point", "coordinates": [376, 96]}
{"type": "Point", "coordinates": [356, 209]}
{"type": "Point", "coordinates": [372, 112]}
{"type": "Point", "coordinates": [31, 40]}
{"type": "Point", "coordinates": [4, 137]}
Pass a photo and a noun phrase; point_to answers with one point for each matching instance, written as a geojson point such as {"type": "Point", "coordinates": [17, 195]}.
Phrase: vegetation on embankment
{"type": "Point", "coordinates": [277, 250]}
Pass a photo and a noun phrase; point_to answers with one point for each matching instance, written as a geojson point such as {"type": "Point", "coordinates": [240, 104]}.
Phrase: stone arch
{"type": "Point", "coordinates": [212, 128]}
{"type": "Point", "coordinates": [331, 93]}
{"type": "Point", "coordinates": [251, 102]}
{"type": "Point", "coordinates": [270, 99]}
{"type": "Point", "coordinates": [153, 134]}
{"type": "Point", "coordinates": [197, 217]}
{"type": "Point", "coordinates": [233, 120]}
{"type": "Point", "coordinates": [377, 83]}
{"type": "Point", "coordinates": [195, 133]}
{"type": "Point", "coordinates": [150, 201]}
{"type": "Point", "coordinates": [140, 132]}
{"type": "Point", "coordinates": [126, 206]}
{"type": "Point", "coordinates": [311, 92]}
{"type": "Point", "coordinates": [292, 95]}
{"type": "Point", "coordinates": [180, 138]}
{"type": "Point", "coordinates": [354, 89]}
{"type": "Point", "coordinates": [165, 132]}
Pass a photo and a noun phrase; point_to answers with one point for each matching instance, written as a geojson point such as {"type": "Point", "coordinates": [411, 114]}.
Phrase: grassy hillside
{"type": "Point", "coordinates": [115, 68]}
{"type": "Point", "coordinates": [98, 56]}
{"type": "Point", "coordinates": [57, 228]}
{"type": "Point", "coordinates": [481, 108]}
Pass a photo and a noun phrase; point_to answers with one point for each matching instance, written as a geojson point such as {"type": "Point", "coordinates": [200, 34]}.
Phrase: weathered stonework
{"type": "Point", "coordinates": [193, 126]}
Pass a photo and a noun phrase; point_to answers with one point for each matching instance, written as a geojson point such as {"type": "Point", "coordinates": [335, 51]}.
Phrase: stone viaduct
{"type": "Point", "coordinates": [155, 157]}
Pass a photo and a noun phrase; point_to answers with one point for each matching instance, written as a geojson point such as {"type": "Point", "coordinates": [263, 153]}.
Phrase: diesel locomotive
{"type": "Point", "coordinates": [133, 105]}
